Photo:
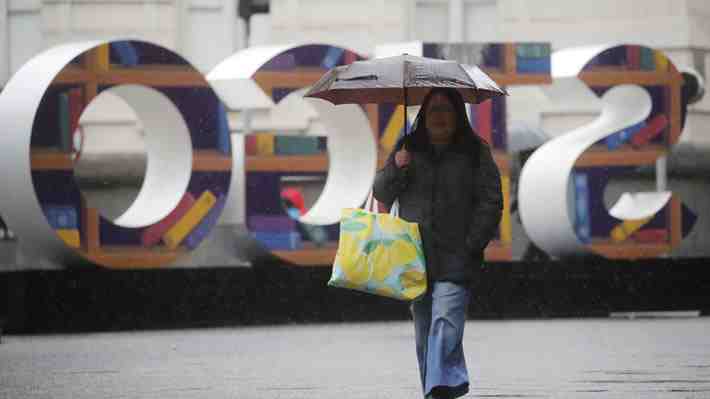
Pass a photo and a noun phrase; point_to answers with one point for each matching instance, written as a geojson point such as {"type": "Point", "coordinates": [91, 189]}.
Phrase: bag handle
{"type": "Point", "coordinates": [370, 202]}
{"type": "Point", "coordinates": [394, 209]}
{"type": "Point", "coordinates": [370, 205]}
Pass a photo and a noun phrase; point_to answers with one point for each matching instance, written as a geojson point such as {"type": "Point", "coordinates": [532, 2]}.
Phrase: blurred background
{"type": "Point", "coordinates": [111, 164]}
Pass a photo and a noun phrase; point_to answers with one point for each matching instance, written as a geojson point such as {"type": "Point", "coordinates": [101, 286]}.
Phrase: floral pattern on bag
{"type": "Point", "coordinates": [380, 254]}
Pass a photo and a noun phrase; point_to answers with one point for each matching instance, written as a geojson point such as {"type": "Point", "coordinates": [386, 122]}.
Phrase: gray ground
{"type": "Point", "coordinates": [595, 358]}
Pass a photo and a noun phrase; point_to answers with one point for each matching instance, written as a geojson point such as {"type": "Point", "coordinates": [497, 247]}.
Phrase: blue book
{"type": "Point", "coordinates": [127, 54]}
{"type": "Point", "coordinates": [62, 216]}
{"type": "Point", "coordinates": [533, 65]}
{"type": "Point", "coordinates": [623, 136]}
{"type": "Point", "coordinates": [533, 50]}
{"type": "Point", "coordinates": [296, 145]}
{"type": "Point", "coordinates": [279, 241]}
{"type": "Point", "coordinates": [648, 59]}
{"type": "Point", "coordinates": [614, 141]}
{"type": "Point", "coordinates": [202, 230]}
{"type": "Point", "coordinates": [582, 217]}
{"type": "Point", "coordinates": [271, 223]}
{"type": "Point", "coordinates": [223, 139]}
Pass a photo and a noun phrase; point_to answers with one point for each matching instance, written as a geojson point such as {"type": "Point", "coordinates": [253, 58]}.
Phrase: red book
{"type": "Point", "coordinates": [250, 145]}
{"type": "Point", "coordinates": [484, 116]}
{"type": "Point", "coordinates": [154, 233]}
{"type": "Point", "coordinates": [652, 129]}
{"type": "Point", "coordinates": [633, 57]}
{"type": "Point", "coordinates": [651, 235]}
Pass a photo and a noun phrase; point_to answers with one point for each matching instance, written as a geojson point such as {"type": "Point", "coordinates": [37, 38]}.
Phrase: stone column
{"type": "Point", "coordinates": [456, 16]}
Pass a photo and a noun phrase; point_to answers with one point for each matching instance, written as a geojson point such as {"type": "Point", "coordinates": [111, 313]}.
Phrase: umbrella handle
{"type": "Point", "coordinates": [406, 131]}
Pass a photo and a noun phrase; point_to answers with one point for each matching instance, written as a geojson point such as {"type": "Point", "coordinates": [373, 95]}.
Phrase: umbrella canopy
{"type": "Point", "coordinates": [403, 79]}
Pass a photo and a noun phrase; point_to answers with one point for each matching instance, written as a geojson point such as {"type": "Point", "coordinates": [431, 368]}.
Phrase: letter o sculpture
{"type": "Point", "coordinates": [187, 143]}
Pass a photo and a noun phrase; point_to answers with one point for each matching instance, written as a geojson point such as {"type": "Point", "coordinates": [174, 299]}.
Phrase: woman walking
{"type": "Point", "coordinates": [445, 179]}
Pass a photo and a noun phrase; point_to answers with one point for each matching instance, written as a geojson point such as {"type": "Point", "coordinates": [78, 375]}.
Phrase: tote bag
{"type": "Point", "coordinates": [379, 253]}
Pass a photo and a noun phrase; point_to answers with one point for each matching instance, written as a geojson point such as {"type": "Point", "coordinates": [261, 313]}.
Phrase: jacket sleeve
{"type": "Point", "coordinates": [489, 203]}
{"type": "Point", "coordinates": [390, 181]}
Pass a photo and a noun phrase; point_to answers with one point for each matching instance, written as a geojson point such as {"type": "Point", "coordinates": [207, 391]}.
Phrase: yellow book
{"type": "Point", "coordinates": [190, 220]}
{"type": "Point", "coordinates": [265, 144]}
{"type": "Point", "coordinates": [100, 61]}
{"type": "Point", "coordinates": [70, 237]}
{"type": "Point", "coordinates": [622, 231]}
{"type": "Point", "coordinates": [617, 233]}
{"type": "Point", "coordinates": [394, 126]}
{"type": "Point", "coordinates": [661, 61]}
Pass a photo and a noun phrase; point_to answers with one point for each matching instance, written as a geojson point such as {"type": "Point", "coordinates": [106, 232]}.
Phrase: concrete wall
{"type": "Point", "coordinates": [361, 25]}
{"type": "Point", "coordinates": [352, 24]}
{"type": "Point", "coordinates": [4, 57]}
{"type": "Point", "coordinates": [661, 23]}
{"type": "Point", "coordinates": [154, 20]}
{"type": "Point", "coordinates": [203, 31]}
{"type": "Point", "coordinates": [211, 31]}
{"type": "Point", "coordinates": [24, 32]}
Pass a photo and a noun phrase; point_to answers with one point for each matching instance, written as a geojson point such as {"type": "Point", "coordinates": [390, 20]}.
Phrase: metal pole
{"type": "Point", "coordinates": [662, 173]}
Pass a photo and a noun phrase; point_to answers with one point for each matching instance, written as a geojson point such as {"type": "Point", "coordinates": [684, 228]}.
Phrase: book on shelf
{"type": "Point", "coordinates": [224, 140]}
{"type": "Point", "coordinates": [616, 140]}
{"type": "Point", "coordinates": [69, 108]}
{"type": "Point", "coordinates": [651, 236]}
{"type": "Point", "coordinates": [653, 128]}
{"type": "Point", "coordinates": [250, 145]}
{"type": "Point", "coordinates": [271, 223]}
{"type": "Point", "coordinates": [65, 133]}
{"type": "Point", "coordinates": [177, 233]}
{"type": "Point", "coordinates": [633, 57]}
{"type": "Point", "coordinates": [125, 53]}
{"type": "Point", "coordinates": [279, 241]}
{"type": "Point", "coordinates": [532, 58]}
{"type": "Point", "coordinates": [582, 223]}
{"type": "Point", "coordinates": [296, 145]}
{"type": "Point", "coordinates": [154, 233]}
{"type": "Point", "coordinates": [265, 144]}
{"type": "Point", "coordinates": [63, 217]}
{"type": "Point", "coordinates": [76, 107]}
{"type": "Point", "coordinates": [647, 60]}
{"type": "Point", "coordinates": [70, 236]}
{"type": "Point", "coordinates": [625, 229]}
{"type": "Point", "coordinates": [202, 230]}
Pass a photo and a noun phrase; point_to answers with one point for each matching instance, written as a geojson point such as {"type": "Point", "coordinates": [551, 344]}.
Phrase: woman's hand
{"type": "Point", "coordinates": [402, 158]}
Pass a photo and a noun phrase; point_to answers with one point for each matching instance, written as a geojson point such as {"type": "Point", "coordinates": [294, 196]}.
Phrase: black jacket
{"type": "Point", "coordinates": [454, 196]}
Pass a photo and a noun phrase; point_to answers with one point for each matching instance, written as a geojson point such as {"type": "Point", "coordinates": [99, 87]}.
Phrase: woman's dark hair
{"type": "Point", "coordinates": [418, 139]}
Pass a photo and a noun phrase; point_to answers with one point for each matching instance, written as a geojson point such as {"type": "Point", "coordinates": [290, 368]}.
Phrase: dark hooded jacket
{"type": "Point", "coordinates": [454, 195]}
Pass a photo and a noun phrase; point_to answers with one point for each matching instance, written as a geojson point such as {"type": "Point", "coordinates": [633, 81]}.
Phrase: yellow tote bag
{"type": "Point", "coordinates": [379, 253]}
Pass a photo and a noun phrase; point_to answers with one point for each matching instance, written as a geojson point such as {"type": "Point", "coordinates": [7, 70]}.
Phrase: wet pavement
{"type": "Point", "coordinates": [591, 358]}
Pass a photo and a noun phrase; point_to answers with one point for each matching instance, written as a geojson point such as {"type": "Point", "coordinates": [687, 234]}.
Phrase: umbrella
{"type": "Point", "coordinates": [403, 79]}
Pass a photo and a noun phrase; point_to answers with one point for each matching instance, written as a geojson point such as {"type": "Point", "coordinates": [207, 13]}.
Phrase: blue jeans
{"type": "Point", "coordinates": [439, 318]}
